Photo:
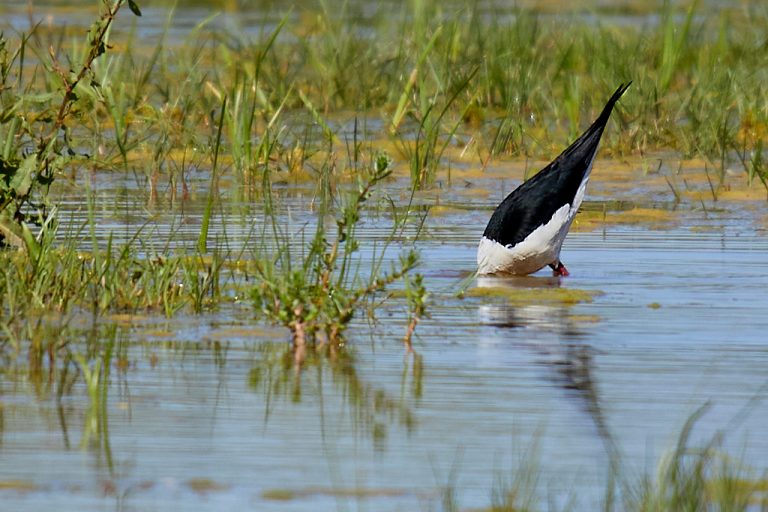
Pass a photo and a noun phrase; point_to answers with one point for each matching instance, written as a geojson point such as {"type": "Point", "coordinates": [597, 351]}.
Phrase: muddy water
{"type": "Point", "coordinates": [201, 414]}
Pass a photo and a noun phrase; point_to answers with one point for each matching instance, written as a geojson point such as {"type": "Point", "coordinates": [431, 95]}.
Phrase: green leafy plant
{"type": "Point", "coordinates": [316, 294]}
{"type": "Point", "coordinates": [35, 147]}
{"type": "Point", "coordinates": [416, 295]}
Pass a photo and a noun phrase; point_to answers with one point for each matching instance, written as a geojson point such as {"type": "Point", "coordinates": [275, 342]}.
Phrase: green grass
{"type": "Point", "coordinates": [696, 478]}
{"type": "Point", "coordinates": [314, 287]}
{"type": "Point", "coordinates": [124, 111]}
{"type": "Point", "coordinates": [691, 477]}
{"type": "Point", "coordinates": [523, 86]}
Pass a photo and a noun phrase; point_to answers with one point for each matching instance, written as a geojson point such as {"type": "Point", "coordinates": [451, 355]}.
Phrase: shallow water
{"type": "Point", "coordinates": [200, 414]}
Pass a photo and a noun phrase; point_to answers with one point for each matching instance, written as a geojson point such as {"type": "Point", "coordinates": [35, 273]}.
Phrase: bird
{"type": "Point", "coordinates": [527, 230]}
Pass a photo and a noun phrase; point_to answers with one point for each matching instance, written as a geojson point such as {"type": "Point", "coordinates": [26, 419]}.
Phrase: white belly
{"type": "Point", "coordinates": [538, 250]}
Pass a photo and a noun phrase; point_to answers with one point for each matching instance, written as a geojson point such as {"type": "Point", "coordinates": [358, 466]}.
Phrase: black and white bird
{"type": "Point", "coordinates": [527, 230]}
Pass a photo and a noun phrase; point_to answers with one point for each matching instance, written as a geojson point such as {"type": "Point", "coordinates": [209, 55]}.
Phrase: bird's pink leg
{"type": "Point", "coordinates": [559, 269]}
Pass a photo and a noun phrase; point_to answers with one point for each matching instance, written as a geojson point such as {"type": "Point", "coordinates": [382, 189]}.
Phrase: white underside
{"type": "Point", "coordinates": [539, 249]}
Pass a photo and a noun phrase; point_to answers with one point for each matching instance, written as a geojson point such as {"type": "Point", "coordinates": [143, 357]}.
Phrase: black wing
{"type": "Point", "coordinates": [534, 202]}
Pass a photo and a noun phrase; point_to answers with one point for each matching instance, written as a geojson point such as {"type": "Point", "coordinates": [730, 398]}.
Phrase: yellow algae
{"type": "Point", "coordinates": [641, 216]}
{"type": "Point", "coordinates": [655, 182]}
{"type": "Point", "coordinates": [439, 211]}
{"type": "Point", "coordinates": [280, 494]}
{"type": "Point", "coordinates": [524, 296]}
{"type": "Point", "coordinates": [752, 129]}
{"type": "Point", "coordinates": [159, 333]}
{"type": "Point", "coordinates": [206, 485]}
{"type": "Point", "coordinates": [588, 220]}
{"type": "Point", "coordinates": [705, 228]}
{"type": "Point", "coordinates": [623, 188]}
{"type": "Point", "coordinates": [470, 189]}
{"type": "Point", "coordinates": [344, 492]}
{"type": "Point", "coordinates": [122, 363]}
{"type": "Point", "coordinates": [754, 193]}
{"type": "Point", "coordinates": [611, 168]}
{"type": "Point", "coordinates": [697, 196]}
{"type": "Point", "coordinates": [593, 219]}
{"type": "Point", "coordinates": [18, 485]}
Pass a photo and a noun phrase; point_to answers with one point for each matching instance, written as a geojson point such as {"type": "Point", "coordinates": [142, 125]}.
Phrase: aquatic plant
{"type": "Point", "coordinates": [416, 296]}
{"type": "Point", "coordinates": [315, 288]}
{"type": "Point", "coordinates": [35, 148]}
{"type": "Point", "coordinates": [425, 151]}
{"type": "Point", "coordinates": [697, 478]}
{"type": "Point", "coordinates": [58, 275]}
{"type": "Point", "coordinates": [436, 76]}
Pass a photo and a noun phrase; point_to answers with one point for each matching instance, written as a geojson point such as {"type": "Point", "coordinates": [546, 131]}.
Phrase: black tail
{"type": "Point", "coordinates": [589, 140]}
{"type": "Point", "coordinates": [533, 203]}
{"type": "Point", "coordinates": [606, 113]}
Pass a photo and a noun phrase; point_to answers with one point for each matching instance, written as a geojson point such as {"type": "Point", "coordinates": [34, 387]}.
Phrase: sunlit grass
{"type": "Point", "coordinates": [522, 85]}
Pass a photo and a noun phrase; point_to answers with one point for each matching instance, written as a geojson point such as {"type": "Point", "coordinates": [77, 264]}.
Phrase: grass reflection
{"type": "Point", "coordinates": [331, 370]}
{"type": "Point", "coordinates": [57, 362]}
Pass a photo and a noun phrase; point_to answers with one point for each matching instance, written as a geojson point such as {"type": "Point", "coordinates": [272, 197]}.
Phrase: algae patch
{"type": "Point", "coordinates": [206, 485]}
{"type": "Point", "coordinates": [526, 296]}
{"type": "Point", "coordinates": [588, 220]}
{"type": "Point", "coordinates": [356, 492]}
{"type": "Point", "coordinates": [18, 485]}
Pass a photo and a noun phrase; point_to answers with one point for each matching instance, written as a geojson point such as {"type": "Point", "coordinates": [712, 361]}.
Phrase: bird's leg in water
{"type": "Point", "coordinates": [559, 269]}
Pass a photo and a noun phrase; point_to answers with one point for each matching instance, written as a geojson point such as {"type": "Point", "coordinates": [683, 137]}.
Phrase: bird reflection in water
{"type": "Point", "coordinates": [557, 336]}
{"type": "Point", "coordinates": [545, 316]}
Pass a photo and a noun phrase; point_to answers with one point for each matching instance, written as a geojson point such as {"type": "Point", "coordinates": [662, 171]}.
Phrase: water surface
{"type": "Point", "coordinates": [201, 414]}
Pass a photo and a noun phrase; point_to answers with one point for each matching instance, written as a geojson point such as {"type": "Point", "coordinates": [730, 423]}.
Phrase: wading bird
{"type": "Point", "coordinates": [527, 230]}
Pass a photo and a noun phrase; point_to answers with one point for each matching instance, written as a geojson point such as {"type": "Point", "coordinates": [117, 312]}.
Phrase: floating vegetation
{"type": "Point", "coordinates": [591, 219]}
{"type": "Point", "coordinates": [523, 296]}
{"type": "Point", "coordinates": [359, 493]}
{"type": "Point", "coordinates": [206, 485]}
{"type": "Point", "coordinates": [18, 486]}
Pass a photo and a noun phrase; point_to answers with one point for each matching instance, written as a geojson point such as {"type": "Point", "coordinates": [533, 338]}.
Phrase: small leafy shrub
{"type": "Point", "coordinates": [316, 294]}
